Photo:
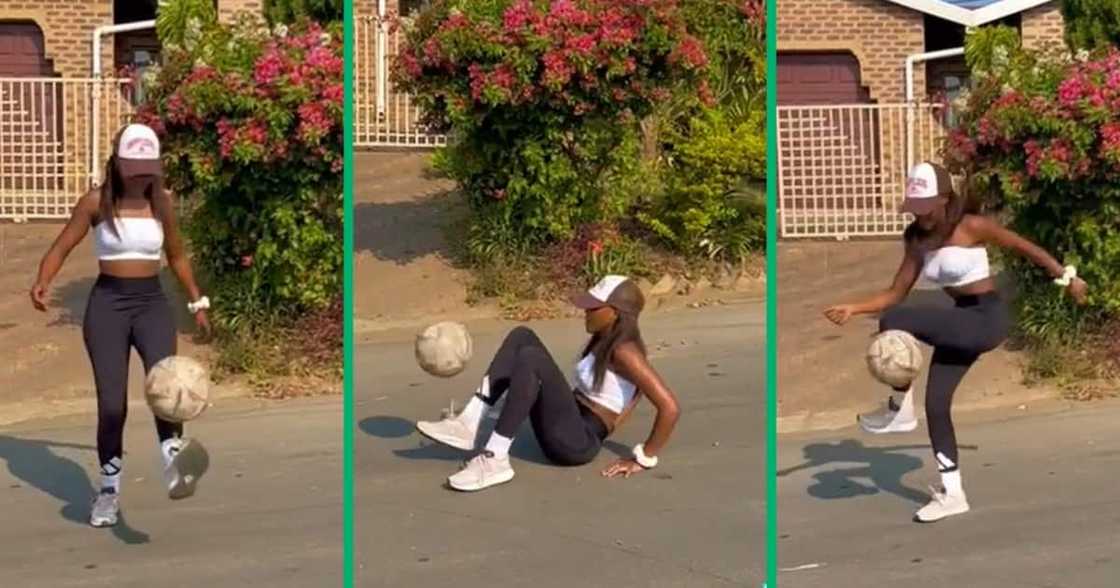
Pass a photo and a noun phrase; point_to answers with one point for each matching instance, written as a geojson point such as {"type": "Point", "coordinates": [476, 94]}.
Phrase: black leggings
{"type": "Point", "coordinates": [123, 313]}
{"type": "Point", "coordinates": [959, 335]}
{"type": "Point", "coordinates": [523, 369]}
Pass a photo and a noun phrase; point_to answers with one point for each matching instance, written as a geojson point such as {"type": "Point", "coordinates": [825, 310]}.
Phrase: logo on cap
{"type": "Point", "coordinates": [140, 146]}
{"type": "Point", "coordinates": [916, 187]}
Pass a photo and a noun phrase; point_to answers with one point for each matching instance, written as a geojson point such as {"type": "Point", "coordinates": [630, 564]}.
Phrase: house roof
{"type": "Point", "coordinates": [971, 13]}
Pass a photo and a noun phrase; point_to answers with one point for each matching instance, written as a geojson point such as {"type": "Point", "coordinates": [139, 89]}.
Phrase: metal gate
{"type": "Point", "coordinates": [55, 136]}
{"type": "Point", "coordinates": [842, 169]}
{"type": "Point", "coordinates": [383, 117]}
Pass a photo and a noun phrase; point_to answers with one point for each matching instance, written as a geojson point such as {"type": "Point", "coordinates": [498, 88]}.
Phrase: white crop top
{"type": "Point", "coordinates": [615, 393]}
{"type": "Point", "coordinates": [954, 266]}
{"type": "Point", "coordinates": [140, 239]}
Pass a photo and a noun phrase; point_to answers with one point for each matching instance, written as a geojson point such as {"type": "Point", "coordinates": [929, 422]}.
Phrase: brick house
{"type": "Point", "coordinates": [846, 135]}
{"type": "Point", "coordinates": [53, 38]}
{"type": "Point", "coordinates": [55, 123]}
{"type": "Point", "coordinates": [854, 51]}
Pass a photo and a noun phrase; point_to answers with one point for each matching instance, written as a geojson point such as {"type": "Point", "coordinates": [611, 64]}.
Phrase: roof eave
{"type": "Point", "coordinates": [970, 18]}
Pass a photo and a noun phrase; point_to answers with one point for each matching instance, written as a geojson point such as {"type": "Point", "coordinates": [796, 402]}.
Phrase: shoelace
{"type": "Point", "coordinates": [937, 496]}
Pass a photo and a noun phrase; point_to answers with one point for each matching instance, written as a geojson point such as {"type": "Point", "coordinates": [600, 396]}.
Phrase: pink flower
{"type": "Point", "coordinates": [333, 93]}
{"type": "Point", "coordinates": [557, 71]}
{"type": "Point", "coordinates": [1071, 90]}
{"type": "Point", "coordinates": [690, 52]}
{"type": "Point", "coordinates": [268, 67]}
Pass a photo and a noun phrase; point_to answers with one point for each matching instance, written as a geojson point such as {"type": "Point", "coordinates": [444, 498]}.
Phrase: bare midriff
{"type": "Point", "coordinates": [130, 268]}
{"type": "Point", "coordinates": [974, 289]}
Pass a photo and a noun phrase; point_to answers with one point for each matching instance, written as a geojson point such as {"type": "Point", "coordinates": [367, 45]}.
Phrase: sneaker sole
{"type": "Point", "coordinates": [502, 479]}
{"type": "Point", "coordinates": [456, 442]}
{"type": "Point", "coordinates": [918, 519]}
{"type": "Point", "coordinates": [892, 428]}
{"type": "Point", "coordinates": [190, 464]}
{"type": "Point", "coordinates": [102, 523]}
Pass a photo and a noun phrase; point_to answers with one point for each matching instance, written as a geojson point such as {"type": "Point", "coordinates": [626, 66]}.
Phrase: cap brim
{"type": "Point", "coordinates": [586, 301]}
{"type": "Point", "coordinates": [921, 205]}
{"type": "Point", "coordinates": [131, 168]}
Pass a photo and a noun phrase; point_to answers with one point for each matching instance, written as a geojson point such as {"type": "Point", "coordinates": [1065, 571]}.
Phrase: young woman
{"type": "Point", "coordinates": [570, 424]}
{"type": "Point", "coordinates": [947, 245]}
{"type": "Point", "coordinates": [133, 223]}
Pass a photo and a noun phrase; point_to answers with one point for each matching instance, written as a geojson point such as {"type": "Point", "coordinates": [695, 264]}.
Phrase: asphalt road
{"type": "Point", "coordinates": [269, 511]}
{"type": "Point", "coordinates": [698, 520]}
{"type": "Point", "coordinates": [1042, 486]}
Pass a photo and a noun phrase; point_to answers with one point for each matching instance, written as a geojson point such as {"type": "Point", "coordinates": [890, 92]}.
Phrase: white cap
{"type": "Point", "coordinates": [138, 142]}
{"type": "Point", "coordinates": [926, 186]}
{"type": "Point", "coordinates": [138, 151]}
{"type": "Point", "coordinates": [603, 294]}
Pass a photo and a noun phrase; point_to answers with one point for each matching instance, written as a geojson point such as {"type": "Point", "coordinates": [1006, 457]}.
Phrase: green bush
{"type": "Point", "coordinates": [708, 206]}
{"type": "Point", "coordinates": [291, 11]}
{"type": "Point", "coordinates": [1091, 24]}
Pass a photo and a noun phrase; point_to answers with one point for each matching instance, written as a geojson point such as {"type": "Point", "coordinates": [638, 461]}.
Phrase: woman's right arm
{"type": "Point", "coordinates": [904, 280]}
{"type": "Point", "coordinates": [85, 211]}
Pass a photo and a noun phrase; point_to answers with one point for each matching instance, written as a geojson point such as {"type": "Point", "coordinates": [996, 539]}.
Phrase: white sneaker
{"type": "Point", "coordinates": [941, 505]}
{"type": "Point", "coordinates": [483, 471]}
{"type": "Point", "coordinates": [891, 418]}
{"type": "Point", "coordinates": [452, 431]}
{"type": "Point", "coordinates": [184, 463]}
{"type": "Point", "coordinates": [105, 510]}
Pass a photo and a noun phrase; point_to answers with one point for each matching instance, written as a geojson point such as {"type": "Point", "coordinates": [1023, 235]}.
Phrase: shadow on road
{"type": "Point", "coordinates": [883, 467]}
{"type": "Point", "coordinates": [32, 461]}
{"type": "Point", "coordinates": [402, 232]}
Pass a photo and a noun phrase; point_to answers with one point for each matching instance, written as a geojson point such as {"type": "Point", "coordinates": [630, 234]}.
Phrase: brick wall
{"type": "Point", "coordinates": [1043, 26]}
{"type": "Point", "coordinates": [67, 30]}
{"type": "Point", "coordinates": [880, 34]}
{"type": "Point", "coordinates": [229, 9]}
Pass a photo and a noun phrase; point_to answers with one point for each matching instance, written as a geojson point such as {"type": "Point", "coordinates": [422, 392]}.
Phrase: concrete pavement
{"type": "Point", "coordinates": [269, 512]}
{"type": "Point", "coordinates": [1045, 511]}
{"type": "Point", "coordinates": [698, 520]}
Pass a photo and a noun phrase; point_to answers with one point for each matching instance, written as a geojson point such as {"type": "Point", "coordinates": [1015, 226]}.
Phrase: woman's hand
{"type": "Point", "coordinates": [1079, 290]}
{"type": "Point", "coordinates": [840, 313]}
{"type": "Point", "coordinates": [623, 467]}
{"type": "Point", "coordinates": [203, 323]}
{"type": "Point", "coordinates": [39, 297]}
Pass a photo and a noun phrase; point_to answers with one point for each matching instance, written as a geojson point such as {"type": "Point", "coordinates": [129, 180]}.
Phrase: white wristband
{"type": "Point", "coordinates": [1068, 276]}
{"type": "Point", "coordinates": [200, 304]}
{"type": "Point", "coordinates": [644, 460]}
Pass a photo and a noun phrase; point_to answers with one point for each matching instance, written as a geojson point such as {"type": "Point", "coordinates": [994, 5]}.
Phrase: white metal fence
{"type": "Point", "coordinates": [55, 135]}
{"type": "Point", "coordinates": [383, 116]}
{"type": "Point", "coordinates": [842, 169]}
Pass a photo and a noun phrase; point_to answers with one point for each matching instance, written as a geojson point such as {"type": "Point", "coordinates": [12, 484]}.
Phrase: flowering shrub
{"type": "Point", "coordinates": [1039, 138]}
{"type": "Point", "coordinates": [251, 126]}
{"type": "Point", "coordinates": [542, 99]}
{"type": "Point", "coordinates": [712, 153]}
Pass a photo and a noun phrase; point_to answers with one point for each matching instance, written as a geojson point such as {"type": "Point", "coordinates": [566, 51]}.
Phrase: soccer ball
{"type": "Point", "coordinates": [443, 349]}
{"type": "Point", "coordinates": [894, 358]}
{"type": "Point", "coordinates": [177, 389]}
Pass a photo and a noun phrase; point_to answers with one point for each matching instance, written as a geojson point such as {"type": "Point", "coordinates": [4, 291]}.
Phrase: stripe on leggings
{"type": "Point", "coordinates": [944, 464]}
{"type": "Point", "coordinates": [112, 468]}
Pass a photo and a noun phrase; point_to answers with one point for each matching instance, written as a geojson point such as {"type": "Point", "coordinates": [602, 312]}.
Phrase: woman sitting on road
{"type": "Point", "coordinates": [570, 424]}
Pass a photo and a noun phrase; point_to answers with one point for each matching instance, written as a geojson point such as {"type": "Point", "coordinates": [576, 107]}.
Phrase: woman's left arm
{"type": "Point", "coordinates": [632, 364]}
{"type": "Point", "coordinates": [990, 231]}
{"type": "Point", "coordinates": [178, 260]}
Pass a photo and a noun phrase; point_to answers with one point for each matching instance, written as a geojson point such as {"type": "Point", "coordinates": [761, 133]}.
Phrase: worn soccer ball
{"type": "Point", "coordinates": [177, 389]}
{"type": "Point", "coordinates": [894, 358]}
{"type": "Point", "coordinates": [443, 349]}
